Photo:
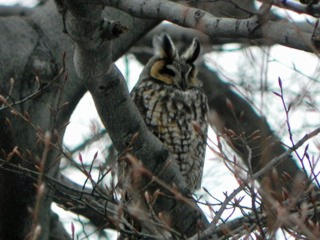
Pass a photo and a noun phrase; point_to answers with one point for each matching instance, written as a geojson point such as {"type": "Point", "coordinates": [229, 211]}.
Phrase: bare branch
{"type": "Point", "coordinates": [120, 116]}
{"type": "Point", "coordinates": [277, 32]}
{"type": "Point", "coordinates": [310, 9]}
{"type": "Point", "coordinates": [57, 231]}
{"type": "Point", "coordinates": [14, 11]}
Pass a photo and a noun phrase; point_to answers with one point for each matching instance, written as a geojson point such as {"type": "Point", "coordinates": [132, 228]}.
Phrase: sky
{"type": "Point", "coordinates": [294, 67]}
{"type": "Point", "coordinates": [22, 2]}
{"type": "Point", "coordinates": [217, 178]}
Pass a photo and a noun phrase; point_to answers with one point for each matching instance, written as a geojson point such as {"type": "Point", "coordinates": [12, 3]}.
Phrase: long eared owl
{"type": "Point", "coordinates": [169, 97]}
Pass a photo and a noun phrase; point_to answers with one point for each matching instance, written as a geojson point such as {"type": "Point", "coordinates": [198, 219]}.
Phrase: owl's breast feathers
{"type": "Point", "coordinates": [171, 114]}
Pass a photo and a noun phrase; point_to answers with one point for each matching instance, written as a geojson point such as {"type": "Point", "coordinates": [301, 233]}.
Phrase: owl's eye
{"type": "Point", "coordinates": [168, 71]}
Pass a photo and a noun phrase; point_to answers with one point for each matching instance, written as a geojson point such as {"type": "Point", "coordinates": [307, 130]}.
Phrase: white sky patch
{"type": "Point", "coordinates": [85, 114]}
{"type": "Point", "coordinates": [27, 3]}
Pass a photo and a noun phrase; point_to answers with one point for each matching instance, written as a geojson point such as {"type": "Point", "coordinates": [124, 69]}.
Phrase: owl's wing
{"type": "Point", "coordinates": [137, 97]}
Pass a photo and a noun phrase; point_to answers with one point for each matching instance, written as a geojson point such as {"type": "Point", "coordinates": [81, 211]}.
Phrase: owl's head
{"type": "Point", "coordinates": [172, 68]}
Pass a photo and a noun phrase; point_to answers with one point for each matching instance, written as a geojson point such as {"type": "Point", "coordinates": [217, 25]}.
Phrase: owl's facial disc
{"type": "Point", "coordinates": [176, 75]}
{"type": "Point", "coordinates": [180, 74]}
{"type": "Point", "coordinates": [183, 75]}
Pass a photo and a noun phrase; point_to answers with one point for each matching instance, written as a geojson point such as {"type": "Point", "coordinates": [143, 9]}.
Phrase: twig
{"type": "Point", "coordinates": [310, 9]}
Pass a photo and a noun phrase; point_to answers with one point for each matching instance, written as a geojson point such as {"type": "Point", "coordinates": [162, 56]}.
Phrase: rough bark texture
{"type": "Point", "coordinates": [36, 48]}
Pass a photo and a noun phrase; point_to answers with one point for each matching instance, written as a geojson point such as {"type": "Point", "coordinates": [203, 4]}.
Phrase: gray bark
{"type": "Point", "coordinates": [36, 48]}
{"type": "Point", "coordinates": [14, 11]}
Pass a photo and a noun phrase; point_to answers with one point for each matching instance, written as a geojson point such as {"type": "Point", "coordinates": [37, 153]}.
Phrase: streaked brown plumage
{"type": "Point", "coordinates": [169, 97]}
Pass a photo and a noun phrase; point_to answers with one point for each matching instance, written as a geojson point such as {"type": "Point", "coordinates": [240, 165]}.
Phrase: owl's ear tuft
{"type": "Point", "coordinates": [192, 52]}
{"type": "Point", "coordinates": [164, 47]}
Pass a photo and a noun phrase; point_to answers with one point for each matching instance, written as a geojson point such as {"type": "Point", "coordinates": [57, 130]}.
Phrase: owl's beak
{"type": "Point", "coordinates": [184, 84]}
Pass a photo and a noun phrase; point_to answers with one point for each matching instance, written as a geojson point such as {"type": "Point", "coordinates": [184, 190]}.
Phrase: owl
{"type": "Point", "coordinates": [170, 99]}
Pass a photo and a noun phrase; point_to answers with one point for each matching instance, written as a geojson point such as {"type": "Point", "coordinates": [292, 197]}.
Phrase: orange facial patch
{"type": "Point", "coordinates": [155, 72]}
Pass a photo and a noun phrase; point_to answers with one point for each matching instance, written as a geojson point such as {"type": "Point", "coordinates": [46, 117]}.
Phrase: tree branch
{"type": "Point", "coordinates": [310, 9]}
{"type": "Point", "coordinates": [57, 231]}
{"type": "Point", "coordinates": [249, 128]}
{"type": "Point", "coordinates": [122, 119]}
{"type": "Point", "coordinates": [281, 32]}
{"type": "Point", "coordinates": [16, 10]}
